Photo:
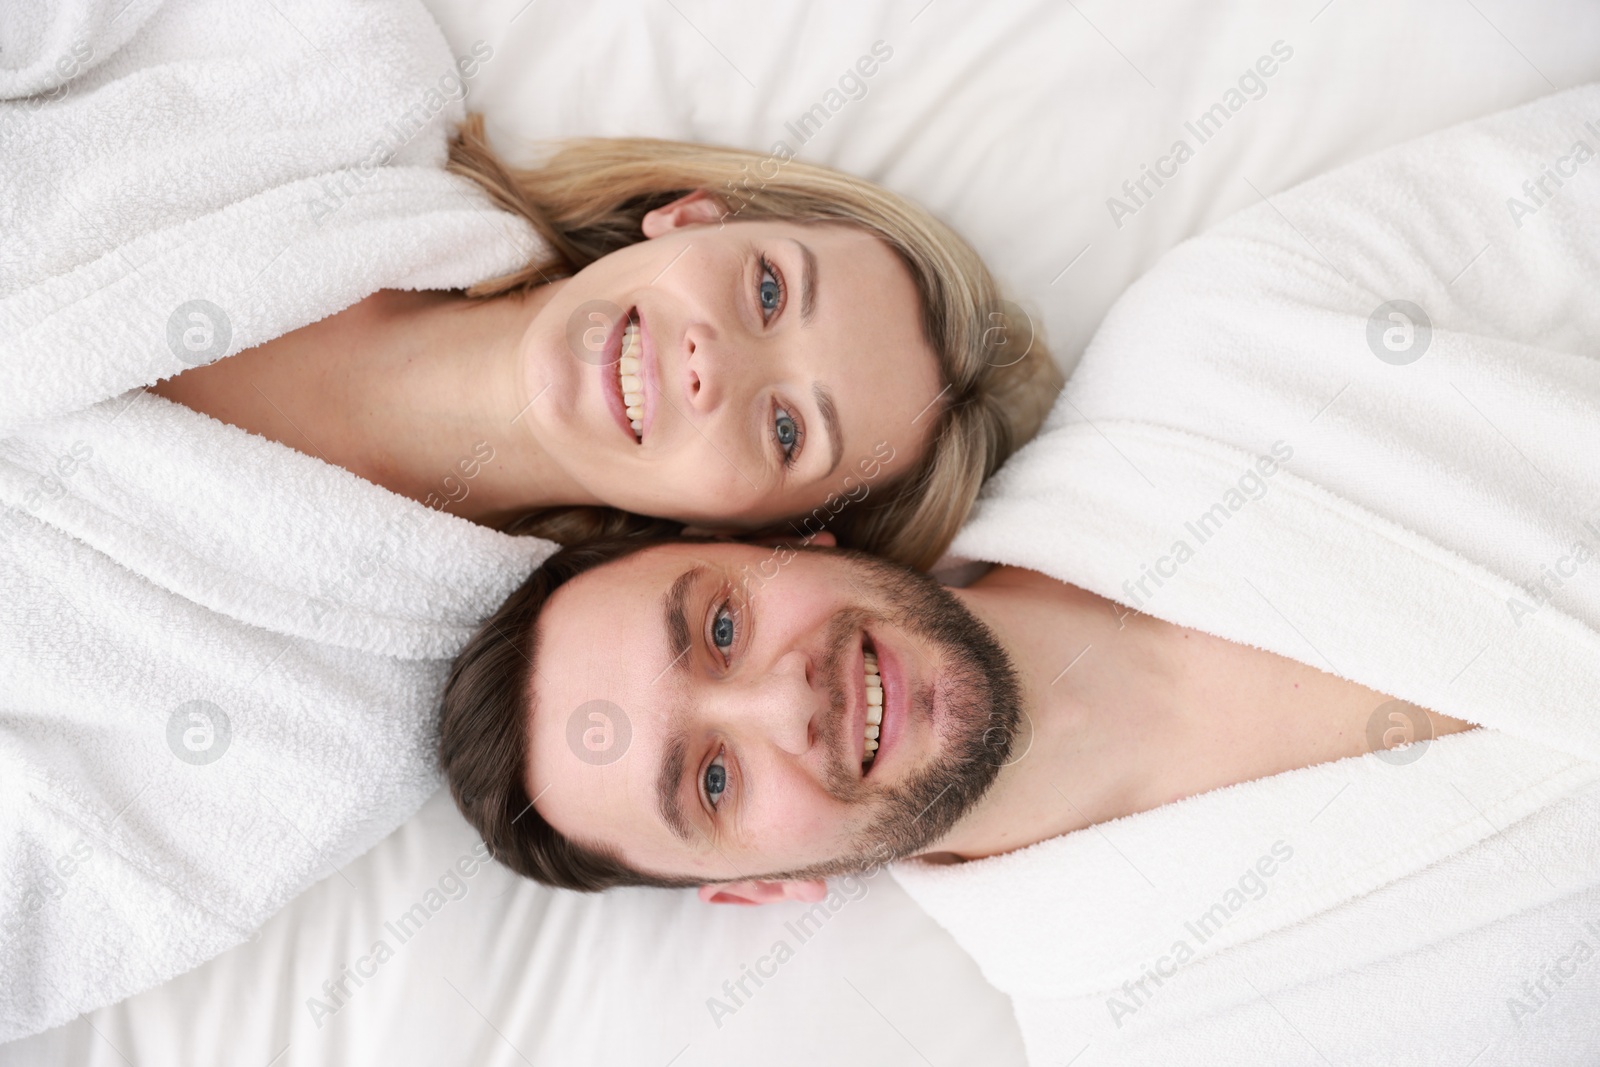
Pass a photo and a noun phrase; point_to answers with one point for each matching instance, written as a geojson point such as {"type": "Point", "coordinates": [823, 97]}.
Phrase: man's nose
{"type": "Point", "coordinates": [784, 705]}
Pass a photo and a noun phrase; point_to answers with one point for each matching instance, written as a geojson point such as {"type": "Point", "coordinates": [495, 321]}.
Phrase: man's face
{"type": "Point", "coordinates": [709, 723]}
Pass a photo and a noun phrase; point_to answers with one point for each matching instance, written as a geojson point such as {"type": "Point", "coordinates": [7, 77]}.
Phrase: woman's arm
{"type": "Point", "coordinates": [277, 161]}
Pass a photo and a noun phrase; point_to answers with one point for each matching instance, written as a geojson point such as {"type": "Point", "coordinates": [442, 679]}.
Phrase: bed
{"type": "Point", "coordinates": [1034, 129]}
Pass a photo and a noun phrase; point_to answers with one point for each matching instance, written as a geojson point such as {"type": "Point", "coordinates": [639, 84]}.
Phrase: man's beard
{"type": "Point", "coordinates": [981, 700]}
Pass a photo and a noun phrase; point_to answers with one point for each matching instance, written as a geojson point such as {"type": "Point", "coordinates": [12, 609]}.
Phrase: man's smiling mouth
{"type": "Point", "coordinates": [873, 683]}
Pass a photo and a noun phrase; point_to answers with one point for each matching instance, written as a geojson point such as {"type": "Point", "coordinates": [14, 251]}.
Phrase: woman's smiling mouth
{"type": "Point", "coordinates": [621, 380]}
{"type": "Point", "coordinates": [629, 379]}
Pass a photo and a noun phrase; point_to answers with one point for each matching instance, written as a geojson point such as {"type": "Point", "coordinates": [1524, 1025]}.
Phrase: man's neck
{"type": "Point", "coordinates": [1094, 688]}
{"type": "Point", "coordinates": [1123, 712]}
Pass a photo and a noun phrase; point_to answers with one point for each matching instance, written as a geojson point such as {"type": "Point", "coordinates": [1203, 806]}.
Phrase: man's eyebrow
{"type": "Point", "coordinates": [675, 620]}
{"type": "Point", "coordinates": [808, 282]}
{"type": "Point", "coordinates": [830, 417]}
{"type": "Point", "coordinates": [667, 785]}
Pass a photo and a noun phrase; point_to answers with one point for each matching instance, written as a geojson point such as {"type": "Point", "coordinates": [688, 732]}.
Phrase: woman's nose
{"type": "Point", "coordinates": [701, 381]}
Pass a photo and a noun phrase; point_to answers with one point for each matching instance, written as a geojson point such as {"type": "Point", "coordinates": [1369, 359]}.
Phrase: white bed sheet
{"type": "Point", "coordinates": [509, 973]}
{"type": "Point", "coordinates": [1014, 122]}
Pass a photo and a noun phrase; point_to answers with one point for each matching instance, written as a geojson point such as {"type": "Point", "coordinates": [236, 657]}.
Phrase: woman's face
{"type": "Point", "coordinates": [773, 365]}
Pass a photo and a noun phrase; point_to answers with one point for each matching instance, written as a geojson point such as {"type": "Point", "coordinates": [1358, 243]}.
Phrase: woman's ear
{"type": "Point", "coordinates": [755, 892]}
{"type": "Point", "coordinates": [698, 208]}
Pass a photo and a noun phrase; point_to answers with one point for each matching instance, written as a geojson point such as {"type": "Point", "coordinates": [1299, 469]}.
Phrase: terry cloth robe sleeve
{"type": "Point", "coordinates": [222, 658]}
{"type": "Point", "coordinates": [225, 176]}
{"type": "Point", "coordinates": [1257, 447]}
{"type": "Point", "coordinates": [44, 45]}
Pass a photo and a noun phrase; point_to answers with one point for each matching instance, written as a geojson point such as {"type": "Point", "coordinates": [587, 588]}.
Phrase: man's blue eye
{"type": "Point", "coordinates": [788, 432]}
{"type": "Point", "coordinates": [722, 630]}
{"type": "Point", "coordinates": [716, 780]}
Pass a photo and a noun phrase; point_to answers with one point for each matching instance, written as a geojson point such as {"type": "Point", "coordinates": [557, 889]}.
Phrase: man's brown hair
{"type": "Point", "coordinates": [483, 732]}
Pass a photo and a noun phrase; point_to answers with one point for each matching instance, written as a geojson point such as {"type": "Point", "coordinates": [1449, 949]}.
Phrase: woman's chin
{"type": "Point", "coordinates": [691, 529]}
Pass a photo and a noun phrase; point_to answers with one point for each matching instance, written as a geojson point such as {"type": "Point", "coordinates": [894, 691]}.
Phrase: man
{"type": "Point", "coordinates": [729, 742]}
{"type": "Point", "coordinates": [1192, 772]}
{"type": "Point", "coordinates": [661, 713]}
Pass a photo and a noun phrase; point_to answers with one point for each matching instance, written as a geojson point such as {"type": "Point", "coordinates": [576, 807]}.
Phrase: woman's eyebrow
{"type": "Point", "coordinates": [808, 281]}
{"type": "Point", "coordinates": [830, 418]}
{"type": "Point", "coordinates": [819, 392]}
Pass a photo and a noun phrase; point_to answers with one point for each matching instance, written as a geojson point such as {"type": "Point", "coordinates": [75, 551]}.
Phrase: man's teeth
{"type": "Point", "coordinates": [874, 705]}
{"type": "Point", "coordinates": [628, 371]}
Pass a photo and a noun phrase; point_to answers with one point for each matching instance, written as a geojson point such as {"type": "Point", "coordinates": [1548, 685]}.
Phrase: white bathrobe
{"type": "Point", "coordinates": [1415, 510]}
{"type": "Point", "coordinates": [222, 658]}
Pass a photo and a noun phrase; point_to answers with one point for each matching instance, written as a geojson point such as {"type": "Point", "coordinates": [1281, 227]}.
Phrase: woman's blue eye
{"type": "Point", "coordinates": [716, 780]}
{"type": "Point", "coordinates": [722, 629]}
{"type": "Point", "coordinates": [770, 291]}
{"type": "Point", "coordinates": [788, 431]}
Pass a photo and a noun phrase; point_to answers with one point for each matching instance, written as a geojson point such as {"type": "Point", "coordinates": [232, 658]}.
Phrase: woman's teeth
{"type": "Point", "coordinates": [874, 706]}
{"type": "Point", "coordinates": [632, 383]}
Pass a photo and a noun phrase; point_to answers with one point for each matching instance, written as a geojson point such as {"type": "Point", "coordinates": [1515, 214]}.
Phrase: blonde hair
{"type": "Point", "coordinates": [589, 199]}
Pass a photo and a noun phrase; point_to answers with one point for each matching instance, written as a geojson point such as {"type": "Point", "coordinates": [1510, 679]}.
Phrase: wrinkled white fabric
{"type": "Point", "coordinates": [1255, 448]}
{"type": "Point", "coordinates": [221, 657]}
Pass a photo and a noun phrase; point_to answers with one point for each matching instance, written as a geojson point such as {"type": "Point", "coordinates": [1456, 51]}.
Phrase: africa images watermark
{"type": "Point", "coordinates": [1537, 189]}
{"type": "Point", "coordinates": [1008, 334]}
{"type": "Point", "coordinates": [451, 886]}
{"type": "Point", "coordinates": [68, 66]}
{"type": "Point", "coordinates": [753, 579]}
{"type": "Point", "coordinates": [1136, 993]}
{"type": "Point", "coordinates": [453, 489]}
{"type": "Point", "coordinates": [1537, 992]}
{"type": "Point", "coordinates": [1553, 575]}
{"type": "Point", "coordinates": [338, 188]}
{"type": "Point", "coordinates": [852, 85]}
{"type": "Point", "coordinates": [599, 731]}
{"type": "Point", "coordinates": [198, 732]}
{"type": "Point", "coordinates": [1399, 732]}
{"type": "Point", "coordinates": [55, 884]}
{"type": "Point", "coordinates": [49, 486]}
{"type": "Point", "coordinates": [1399, 332]}
{"type": "Point", "coordinates": [201, 332]}
{"type": "Point", "coordinates": [1250, 485]}
{"type": "Point", "coordinates": [1252, 86]}
{"type": "Point", "coordinates": [736, 992]}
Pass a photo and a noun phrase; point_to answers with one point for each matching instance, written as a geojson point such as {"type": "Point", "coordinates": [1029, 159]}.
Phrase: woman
{"type": "Point", "coordinates": [223, 656]}
{"type": "Point", "coordinates": [698, 345]}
